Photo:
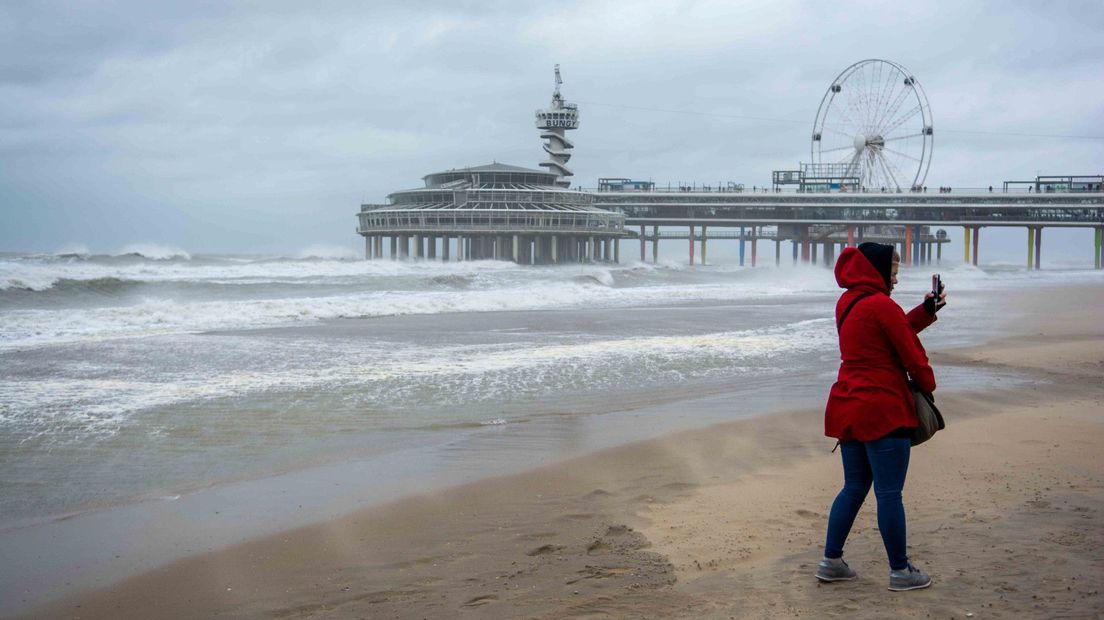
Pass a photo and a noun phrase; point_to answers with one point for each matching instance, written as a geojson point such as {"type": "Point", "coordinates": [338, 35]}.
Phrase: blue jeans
{"type": "Point", "coordinates": [883, 462]}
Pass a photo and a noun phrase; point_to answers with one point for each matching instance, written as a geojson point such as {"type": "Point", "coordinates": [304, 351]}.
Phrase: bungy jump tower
{"type": "Point", "coordinates": [498, 211]}
{"type": "Point", "coordinates": [553, 122]}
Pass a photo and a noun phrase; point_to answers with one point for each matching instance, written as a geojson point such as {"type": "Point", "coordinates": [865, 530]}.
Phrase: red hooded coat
{"type": "Point", "coordinates": [878, 344]}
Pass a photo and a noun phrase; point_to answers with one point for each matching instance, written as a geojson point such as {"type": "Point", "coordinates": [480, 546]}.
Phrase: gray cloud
{"type": "Point", "coordinates": [262, 126]}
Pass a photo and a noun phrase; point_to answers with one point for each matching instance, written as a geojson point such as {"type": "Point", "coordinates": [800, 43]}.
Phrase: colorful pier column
{"type": "Point", "coordinates": [850, 236]}
{"type": "Point", "coordinates": [1099, 238]}
{"type": "Point", "coordinates": [754, 244]}
{"type": "Point", "coordinates": [907, 254]}
{"type": "Point", "coordinates": [965, 245]}
{"type": "Point", "coordinates": [1030, 247]}
{"type": "Point", "coordinates": [1038, 247]}
{"type": "Point", "coordinates": [691, 245]}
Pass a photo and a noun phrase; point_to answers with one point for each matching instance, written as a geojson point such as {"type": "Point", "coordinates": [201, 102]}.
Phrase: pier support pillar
{"type": "Point", "coordinates": [777, 253]}
{"type": "Point", "coordinates": [965, 245]}
{"type": "Point", "coordinates": [742, 245]}
{"type": "Point", "coordinates": [794, 244]}
{"type": "Point", "coordinates": [432, 253]}
{"type": "Point", "coordinates": [703, 240]}
{"type": "Point", "coordinates": [617, 251]}
{"type": "Point", "coordinates": [593, 250]}
{"type": "Point", "coordinates": [938, 252]}
{"type": "Point", "coordinates": [754, 244]}
{"type": "Point", "coordinates": [850, 236]}
{"type": "Point", "coordinates": [655, 244]}
{"type": "Point", "coordinates": [379, 246]}
{"type": "Point", "coordinates": [691, 246]}
{"type": "Point", "coordinates": [1098, 257]}
{"type": "Point", "coordinates": [367, 248]}
{"type": "Point", "coordinates": [813, 251]}
{"type": "Point", "coordinates": [1030, 247]}
{"type": "Point", "coordinates": [860, 233]}
{"type": "Point", "coordinates": [404, 246]}
{"type": "Point", "coordinates": [445, 249]}
{"type": "Point", "coordinates": [906, 256]}
{"type": "Point", "coordinates": [394, 246]}
{"type": "Point", "coordinates": [977, 242]}
{"type": "Point", "coordinates": [554, 249]}
{"type": "Point", "coordinates": [1038, 247]}
{"type": "Point", "coordinates": [642, 243]}
{"type": "Point", "coordinates": [516, 249]}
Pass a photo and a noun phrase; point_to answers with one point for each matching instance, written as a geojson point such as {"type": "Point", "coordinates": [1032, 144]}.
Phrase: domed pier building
{"type": "Point", "coordinates": [498, 211]}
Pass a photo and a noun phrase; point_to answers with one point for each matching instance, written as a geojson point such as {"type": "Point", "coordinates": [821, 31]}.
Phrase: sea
{"type": "Point", "coordinates": [156, 403]}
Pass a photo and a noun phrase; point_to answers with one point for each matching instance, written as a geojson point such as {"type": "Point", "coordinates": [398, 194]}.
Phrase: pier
{"type": "Point", "coordinates": [505, 212]}
{"type": "Point", "coordinates": [914, 221]}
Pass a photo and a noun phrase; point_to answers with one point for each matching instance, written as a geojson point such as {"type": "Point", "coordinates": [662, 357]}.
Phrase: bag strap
{"type": "Point", "coordinates": [839, 323]}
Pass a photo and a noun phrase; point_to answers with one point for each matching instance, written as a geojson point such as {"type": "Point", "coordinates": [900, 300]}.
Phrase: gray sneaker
{"type": "Point", "coordinates": [909, 578]}
{"type": "Point", "coordinates": [834, 570]}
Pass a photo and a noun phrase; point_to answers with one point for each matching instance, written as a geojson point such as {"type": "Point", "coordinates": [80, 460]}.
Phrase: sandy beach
{"type": "Point", "coordinates": [1004, 510]}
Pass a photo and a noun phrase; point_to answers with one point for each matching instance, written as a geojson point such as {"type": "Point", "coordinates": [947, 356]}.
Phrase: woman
{"type": "Point", "coordinates": [870, 408]}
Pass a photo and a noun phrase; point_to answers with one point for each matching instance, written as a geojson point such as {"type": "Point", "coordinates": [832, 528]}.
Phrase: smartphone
{"type": "Point", "coordinates": [937, 285]}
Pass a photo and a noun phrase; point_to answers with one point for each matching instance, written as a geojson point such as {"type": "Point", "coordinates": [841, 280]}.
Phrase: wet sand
{"type": "Point", "coordinates": [1004, 511]}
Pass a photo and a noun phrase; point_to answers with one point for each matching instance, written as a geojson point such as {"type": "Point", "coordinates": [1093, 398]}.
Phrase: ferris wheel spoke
{"type": "Point", "coordinates": [900, 172]}
{"type": "Point", "coordinates": [905, 155]}
{"type": "Point", "coordinates": [894, 108]}
{"type": "Point", "coordinates": [846, 158]}
{"type": "Point", "coordinates": [851, 170]}
{"type": "Point", "coordinates": [885, 95]}
{"type": "Point", "coordinates": [846, 115]}
{"type": "Point", "coordinates": [875, 174]}
{"type": "Point", "coordinates": [889, 173]}
{"type": "Point", "coordinates": [871, 94]}
{"type": "Point", "coordinates": [900, 121]}
{"type": "Point", "coordinates": [904, 137]}
{"type": "Point", "coordinates": [853, 109]}
{"type": "Point", "coordinates": [837, 131]}
{"type": "Point", "coordinates": [838, 148]}
{"type": "Point", "coordinates": [855, 98]}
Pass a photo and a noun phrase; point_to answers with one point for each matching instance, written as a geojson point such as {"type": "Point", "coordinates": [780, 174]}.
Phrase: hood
{"type": "Point", "coordinates": [854, 271]}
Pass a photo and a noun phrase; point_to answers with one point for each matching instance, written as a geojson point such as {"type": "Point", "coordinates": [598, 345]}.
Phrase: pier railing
{"type": "Point", "coordinates": [489, 221]}
{"type": "Point", "coordinates": [1069, 209]}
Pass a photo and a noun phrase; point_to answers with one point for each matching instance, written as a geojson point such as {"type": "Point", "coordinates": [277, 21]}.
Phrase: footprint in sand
{"type": "Point", "coordinates": [481, 600]}
{"type": "Point", "coordinates": [544, 550]}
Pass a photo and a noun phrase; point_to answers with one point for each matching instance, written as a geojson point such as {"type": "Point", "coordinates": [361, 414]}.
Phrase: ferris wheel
{"type": "Point", "coordinates": [874, 124]}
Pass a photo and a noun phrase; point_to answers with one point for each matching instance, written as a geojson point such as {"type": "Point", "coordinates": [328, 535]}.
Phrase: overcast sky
{"type": "Point", "coordinates": [261, 126]}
